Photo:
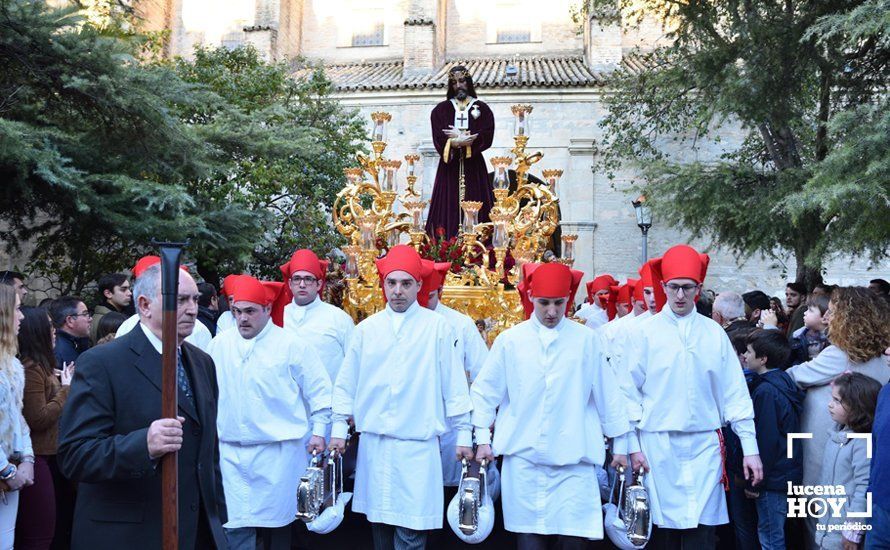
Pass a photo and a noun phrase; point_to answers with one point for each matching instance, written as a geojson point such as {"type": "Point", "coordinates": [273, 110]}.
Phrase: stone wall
{"type": "Point", "coordinates": [326, 29]}
{"type": "Point", "coordinates": [322, 30]}
{"type": "Point", "coordinates": [469, 28]}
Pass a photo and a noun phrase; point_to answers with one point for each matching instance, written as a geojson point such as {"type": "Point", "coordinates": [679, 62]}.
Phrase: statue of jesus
{"type": "Point", "coordinates": [463, 127]}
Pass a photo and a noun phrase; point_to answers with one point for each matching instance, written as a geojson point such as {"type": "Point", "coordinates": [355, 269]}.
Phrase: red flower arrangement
{"type": "Point", "coordinates": [440, 249]}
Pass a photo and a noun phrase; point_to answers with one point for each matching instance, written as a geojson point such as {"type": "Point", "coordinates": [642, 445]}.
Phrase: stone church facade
{"type": "Point", "coordinates": [394, 55]}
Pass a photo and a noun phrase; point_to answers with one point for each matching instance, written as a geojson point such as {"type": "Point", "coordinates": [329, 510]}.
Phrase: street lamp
{"type": "Point", "coordinates": [644, 221]}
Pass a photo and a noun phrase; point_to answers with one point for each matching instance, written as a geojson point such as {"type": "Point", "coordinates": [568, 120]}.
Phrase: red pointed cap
{"type": "Point", "coordinates": [301, 260]}
{"type": "Point", "coordinates": [273, 290]}
{"type": "Point", "coordinates": [682, 262]}
{"type": "Point", "coordinates": [549, 280]}
{"type": "Point", "coordinates": [433, 275]}
{"type": "Point", "coordinates": [248, 289]}
{"type": "Point", "coordinates": [145, 262]}
{"type": "Point", "coordinates": [650, 279]}
{"type": "Point", "coordinates": [523, 287]}
{"type": "Point", "coordinates": [625, 293]}
{"type": "Point", "coordinates": [401, 258]}
{"type": "Point", "coordinates": [612, 301]}
{"type": "Point", "coordinates": [229, 282]}
{"type": "Point", "coordinates": [603, 282]}
{"type": "Point", "coordinates": [305, 260]}
{"type": "Point", "coordinates": [638, 291]}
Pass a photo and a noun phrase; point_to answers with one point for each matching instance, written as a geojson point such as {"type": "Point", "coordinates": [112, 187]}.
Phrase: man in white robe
{"type": "Point", "coordinates": [593, 311]}
{"type": "Point", "coordinates": [267, 381]}
{"type": "Point", "coordinates": [324, 326]}
{"type": "Point", "coordinates": [617, 334]}
{"type": "Point", "coordinates": [306, 317]}
{"type": "Point", "coordinates": [403, 383]}
{"type": "Point", "coordinates": [547, 387]}
{"type": "Point", "coordinates": [614, 335]}
{"type": "Point", "coordinates": [471, 349]}
{"type": "Point", "coordinates": [226, 319]}
{"type": "Point", "coordinates": [686, 372]}
{"type": "Point", "coordinates": [653, 293]}
{"type": "Point", "coordinates": [199, 337]}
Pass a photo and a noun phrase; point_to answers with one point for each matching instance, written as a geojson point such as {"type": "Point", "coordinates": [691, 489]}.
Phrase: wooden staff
{"type": "Point", "coordinates": [170, 254]}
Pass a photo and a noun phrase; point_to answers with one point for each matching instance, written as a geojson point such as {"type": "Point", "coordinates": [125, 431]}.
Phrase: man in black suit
{"type": "Point", "coordinates": [111, 435]}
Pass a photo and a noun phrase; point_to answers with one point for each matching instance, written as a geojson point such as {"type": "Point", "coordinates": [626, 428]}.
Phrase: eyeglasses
{"type": "Point", "coordinates": [677, 288]}
{"type": "Point", "coordinates": [296, 279]}
{"type": "Point", "coordinates": [87, 314]}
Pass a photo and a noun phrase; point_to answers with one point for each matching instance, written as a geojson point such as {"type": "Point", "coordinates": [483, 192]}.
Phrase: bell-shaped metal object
{"type": "Point", "coordinates": [471, 490]}
{"type": "Point", "coordinates": [310, 491]}
{"type": "Point", "coordinates": [333, 478]}
{"type": "Point", "coordinates": [637, 512]}
{"type": "Point", "coordinates": [469, 506]}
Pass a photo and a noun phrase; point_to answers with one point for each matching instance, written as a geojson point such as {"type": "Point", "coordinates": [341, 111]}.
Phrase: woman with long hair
{"type": "Point", "coordinates": [16, 454]}
{"type": "Point", "coordinates": [859, 332]}
{"type": "Point", "coordinates": [45, 395]}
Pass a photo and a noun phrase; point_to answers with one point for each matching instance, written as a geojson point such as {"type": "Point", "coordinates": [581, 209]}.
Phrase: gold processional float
{"type": "Point", "coordinates": [523, 220]}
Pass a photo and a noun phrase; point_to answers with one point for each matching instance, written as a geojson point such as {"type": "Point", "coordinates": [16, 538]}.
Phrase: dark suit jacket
{"type": "Point", "coordinates": [114, 397]}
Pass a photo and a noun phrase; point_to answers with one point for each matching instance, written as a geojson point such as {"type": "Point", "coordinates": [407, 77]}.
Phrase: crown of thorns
{"type": "Point", "coordinates": [457, 74]}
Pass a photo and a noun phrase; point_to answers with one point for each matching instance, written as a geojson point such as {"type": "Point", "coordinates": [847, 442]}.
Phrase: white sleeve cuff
{"type": "Point", "coordinates": [483, 436]}
{"type": "Point", "coordinates": [320, 429]}
{"type": "Point", "coordinates": [619, 444]}
{"type": "Point", "coordinates": [633, 442]}
{"type": "Point", "coordinates": [465, 438]}
{"type": "Point", "coordinates": [749, 446]}
{"type": "Point", "coordinates": [340, 430]}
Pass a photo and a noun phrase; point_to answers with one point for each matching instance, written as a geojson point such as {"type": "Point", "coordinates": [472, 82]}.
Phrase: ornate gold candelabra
{"type": "Point", "coordinates": [522, 224]}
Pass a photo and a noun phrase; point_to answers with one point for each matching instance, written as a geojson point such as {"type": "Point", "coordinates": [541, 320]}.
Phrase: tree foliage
{"type": "Point", "coordinates": [793, 76]}
{"type": "Point", "coordinates": [101, 151]}
{"type": "Point", "coordinates": [282, 146]}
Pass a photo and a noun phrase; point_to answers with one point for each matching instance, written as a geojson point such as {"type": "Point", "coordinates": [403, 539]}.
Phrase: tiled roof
{"type": "Point", "coordinates": [525, 72]}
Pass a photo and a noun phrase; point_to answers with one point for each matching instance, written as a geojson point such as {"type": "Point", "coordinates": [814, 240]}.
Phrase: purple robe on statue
{"type": "Point", "coordinates": [445, 209]}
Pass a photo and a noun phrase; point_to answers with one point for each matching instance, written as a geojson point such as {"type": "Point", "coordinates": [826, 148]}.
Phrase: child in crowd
{"type": "Point", "coordinates": [758, 512]}
{"type": "Point", "coordinates": [809, 340]}
{"type": "Point", "coordinates": [854, 397]}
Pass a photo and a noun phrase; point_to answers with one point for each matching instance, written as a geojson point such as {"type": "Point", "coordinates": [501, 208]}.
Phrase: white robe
{"type": "Point", "coordinates": [401, 378]}
{"type": "Point", "coordinates": [615, 336]}
{"type": "Point", "coordinates": [266, 384]}
{"type": "Point", "coordinates": [593, 315]}
{"type": "Point", "coordinates": [472, 350]}
{"type": "Point", "coordinates": [689, 384]}
{"type": "Point", "coordinates": [557, 398]}
{"type": "Point", "coordinates": [325, 327]}
{"type": "Point", "coordinates": [225, 321]}
{"type": "Point", "coordinates": [199, 337]}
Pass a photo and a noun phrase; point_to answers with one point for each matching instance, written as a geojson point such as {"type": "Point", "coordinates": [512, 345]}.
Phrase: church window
{"type": "Point", "coordinates": [513, 36]}
{"type": "Point", "coordinates": [368, 28]}
{"type": "Point", "coordinates": [512, 25]}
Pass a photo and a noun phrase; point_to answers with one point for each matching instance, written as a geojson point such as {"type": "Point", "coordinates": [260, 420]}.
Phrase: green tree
{"type": "Point", "coordinates": [100, 152]}
{"type": "Point", "coordinates": [790, 77]}
{"type": "Point", "coordinates": [92, 157]}
{"type": "Point", "coordinates": [281, 143]}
